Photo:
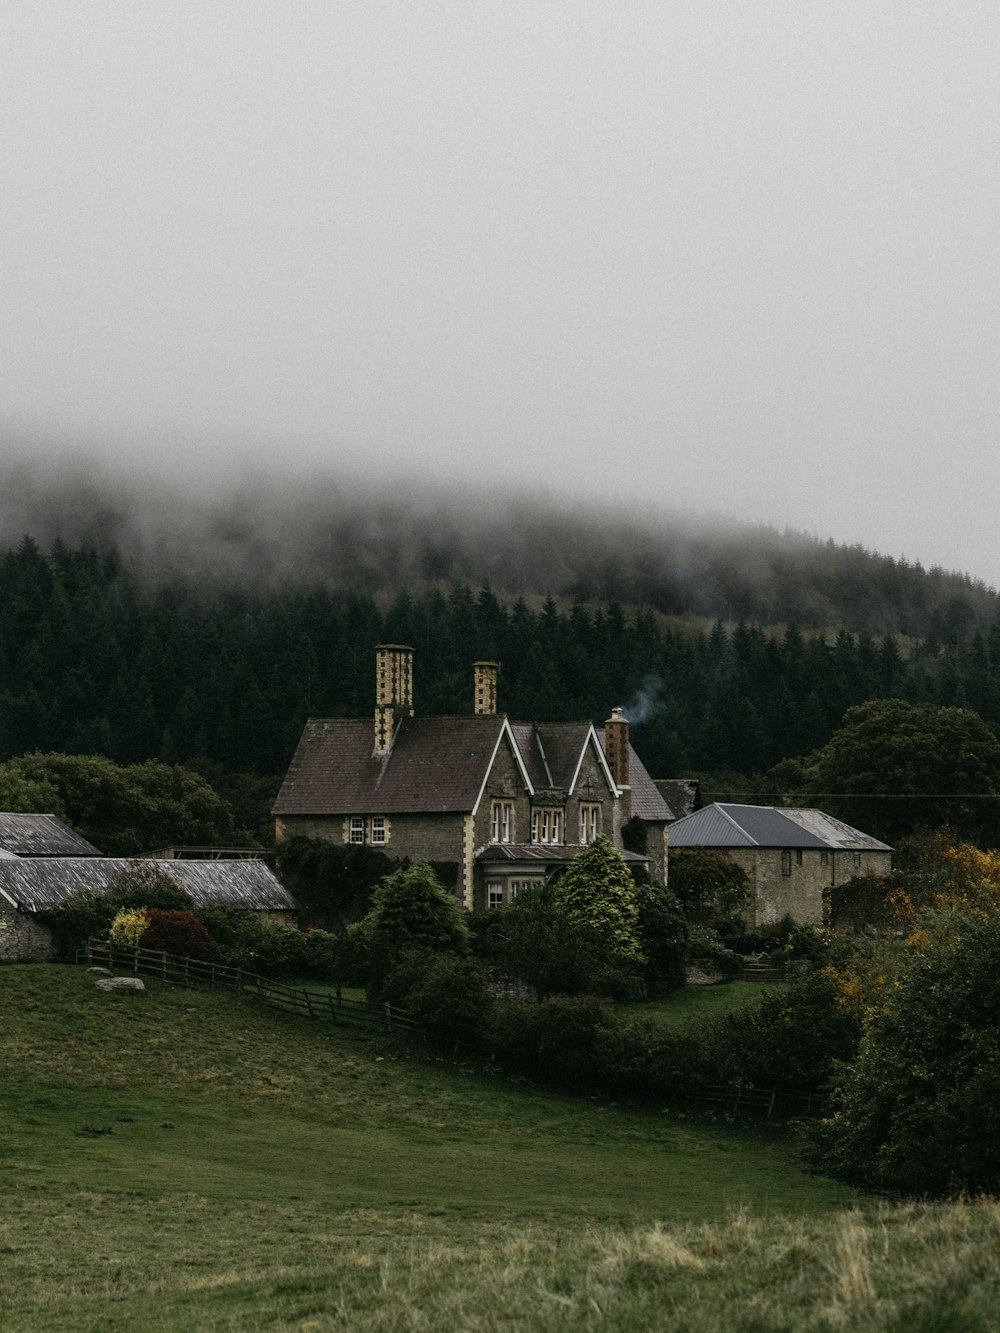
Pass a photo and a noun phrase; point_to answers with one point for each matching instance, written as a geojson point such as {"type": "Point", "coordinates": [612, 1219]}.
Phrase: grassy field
{"type": "Point", "coordinates": [691, 1004]}
{"type": "Point", "coordinates": [185, 1161]}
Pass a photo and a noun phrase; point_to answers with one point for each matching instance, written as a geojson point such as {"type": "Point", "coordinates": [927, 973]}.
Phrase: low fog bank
{"type": "Point", "coordinates": [263, 529]}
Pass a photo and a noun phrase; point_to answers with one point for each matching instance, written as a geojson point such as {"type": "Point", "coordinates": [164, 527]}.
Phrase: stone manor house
{"type": "Point", "coordinates": [504, 804]}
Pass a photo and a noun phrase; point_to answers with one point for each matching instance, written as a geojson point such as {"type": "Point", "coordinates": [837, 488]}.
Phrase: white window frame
{"type": "Point", "coordinates": [590, 822]}
{"type": "Point", "coordinates": [501, 821]}
{"type": "Point", "coordinates": [356, 830]}
{"type": "Point", "coordinates": [546, 825]}
{"type": "Point", "coordinates": [379, 830]}
{"type": "Point", "coordinates": [494, 893]}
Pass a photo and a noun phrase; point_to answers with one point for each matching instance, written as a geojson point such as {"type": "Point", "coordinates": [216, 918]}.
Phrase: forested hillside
{"type": "Point", "coordinates": [97, 656]}
{"type": "Point", "coordinates": [292, 531]}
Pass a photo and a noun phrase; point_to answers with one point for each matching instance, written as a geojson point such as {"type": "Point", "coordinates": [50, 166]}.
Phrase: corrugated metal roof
{"type": "Point", "coordinates": [41, 835]}
{"type": "Point", "coordinates": [727, 825]}
{"type": "Point", "coordinates": [36, 885]}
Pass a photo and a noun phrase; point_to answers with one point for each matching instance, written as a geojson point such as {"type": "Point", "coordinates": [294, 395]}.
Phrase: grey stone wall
{"type": "Point", "coordinates": [804, 893]}
{"type": "Point", "coordinates": [22, 938]}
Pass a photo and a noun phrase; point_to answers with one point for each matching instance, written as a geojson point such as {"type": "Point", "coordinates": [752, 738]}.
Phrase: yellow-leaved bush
{"type": "Point", "coordinates": [128, 928]}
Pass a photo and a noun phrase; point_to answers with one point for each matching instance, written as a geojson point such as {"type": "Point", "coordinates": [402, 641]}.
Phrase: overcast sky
{"type": "Point", "coordinates": [732, 255]}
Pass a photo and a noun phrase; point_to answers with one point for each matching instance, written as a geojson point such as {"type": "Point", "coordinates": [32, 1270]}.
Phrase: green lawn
{"type": "Point", "coordinates": [691, 1004]}
{"type": "Point", "coordinates": [185, 1161]}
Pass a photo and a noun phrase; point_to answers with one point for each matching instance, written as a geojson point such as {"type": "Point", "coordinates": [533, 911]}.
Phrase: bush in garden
{"type": "Point", "coordinates": [85, 914]}
{"type": "Point", "coordinates": [597, 892]}
{"type": "Point", "coordinates": [177, 933]}
{"type": "Point", "coordinates": [443, 992]}
{"type": "Point", "coordinates": [411, 913]}
{"type": "Point", "coordinates": [663, 934]}
{"type": "Point", "coordinates": [145, 884]}
{"type": "Point", "coordinates": [794, 1037]}
{"type": "Point", "coordinates": [557, 1039]}
{"type": "Point", "coordinates": [128, 927]}
{"type": "Point", "coordinates": [706, 950]}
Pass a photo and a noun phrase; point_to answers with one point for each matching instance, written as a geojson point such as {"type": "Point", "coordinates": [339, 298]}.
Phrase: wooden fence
{"type": "Point", "coordinates": [727, 1100]}
{"type": "Point", "coordinates": [192, 972]}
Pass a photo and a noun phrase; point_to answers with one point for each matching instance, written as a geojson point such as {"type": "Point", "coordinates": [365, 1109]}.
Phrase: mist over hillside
{"type": "Point", "coordinates": [267, 529]}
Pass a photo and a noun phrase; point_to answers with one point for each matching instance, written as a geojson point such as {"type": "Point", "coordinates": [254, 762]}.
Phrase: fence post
{"type": "Point", "coordinates": [163, 964]}
{"type": "Point", "coordinates": [388, 1015]}
{"type": "Point", "coordinates": [333, 1011]}
{"type": "Point", "coordinates": [135, 961]}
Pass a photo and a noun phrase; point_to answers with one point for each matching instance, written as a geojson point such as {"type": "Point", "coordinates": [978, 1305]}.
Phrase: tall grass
{"type": "Point", "coordinates": [180, 1161]}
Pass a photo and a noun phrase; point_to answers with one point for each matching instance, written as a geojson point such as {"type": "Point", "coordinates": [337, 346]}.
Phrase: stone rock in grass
{"type": "Point", "coordinates": [120, 984]}
{"type": "Point", "coordinates": [100, 971]}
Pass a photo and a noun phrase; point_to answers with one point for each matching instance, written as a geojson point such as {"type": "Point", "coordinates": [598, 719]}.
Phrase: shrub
{"type": "Point", "coordinates": [706, 950]}
{"type": "Point", "coordinates": [663, 936]}
{"type": "Point", "coordinates": [793, 1038]}
{"type": "Point", "coordinates": [411, 913]}
{"type": "Point", "coordinates": [558, 1039]}
{"type": "Point", "coordinates": [443, 992]}
{"type": "Point", "coordinates": [598, 893]}
{"type": "Point", "coordinates": [919, 1110]}
{"type": "Point", "coordinates": [128, 927]}
{"type": "Point", "coordinates": [177, 933]}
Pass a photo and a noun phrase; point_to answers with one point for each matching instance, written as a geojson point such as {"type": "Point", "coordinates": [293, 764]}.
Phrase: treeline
{"type": "Point", "coordinates": [96, 657]}
{"type": "Point", "coordinates": [279, 533]}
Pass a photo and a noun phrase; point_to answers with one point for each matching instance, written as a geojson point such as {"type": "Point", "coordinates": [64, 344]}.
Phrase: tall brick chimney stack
{"type": "Point", "coordinates": [393, 691]}
{"type": "Point", "coordinates": [616, 748]}
{"type": "Point", "coordinates": [485, 688]}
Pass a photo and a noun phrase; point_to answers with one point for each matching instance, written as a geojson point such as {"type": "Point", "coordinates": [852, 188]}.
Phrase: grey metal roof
{"type": "Point", "coordinates": [41, 835]}
{"type": "Point", "coordinates": [34, 885]}
{"type": "Point", "coordinates": [726, 825]}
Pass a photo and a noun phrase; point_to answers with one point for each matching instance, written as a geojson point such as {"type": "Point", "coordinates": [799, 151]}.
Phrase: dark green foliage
{"type": "Point", "coordinates": [919, 1110]}
{"type": "Point", "coordinates": [597, 893]}
{"type": "Point", "coordinates": [533, 942]}
{"type": "Point", "coordinates": [85, 914]}
{"type": "Point", "coordinates": [144, 884]}
{"type": "Point", "coordinates": [177, 933]}
{"type": "Point", "coordinates": [558, 1039]}
{"type": "Point", "coordinates": [707, 950]}
{"type": "Point", "coordinates": [793, 1039]}
{"type": "Point", "coordinates": [95, 659]}
{"type": "Point", "coordinates": [708, 884]}
{"type": "Point", "coordinates": [132, 809]}
{"type": "Point", "coordinates": [444, 992]}
{"type": "Point", "coordinates": [894, 767]}
{"type": "Point", "coordinates": [411, 913]}
{"type": "Point", "coordinates": [860, 904]}
{"type": "Point", "coordinates": [335, 884]}
{"type": "Point", "coordinates": [663, 935]}
{"type": "Point", "coordinates": [88, 913]}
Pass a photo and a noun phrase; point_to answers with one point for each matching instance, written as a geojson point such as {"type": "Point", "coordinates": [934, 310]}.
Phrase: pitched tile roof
{"type": "Point", "coordinates": [34, 885]}
{"type": "Point", "coordinates": [726, 825]}
{"type": "Point", "coordinates": [41, 835]}
{"type": "Point", "coordinates": [436, 764]}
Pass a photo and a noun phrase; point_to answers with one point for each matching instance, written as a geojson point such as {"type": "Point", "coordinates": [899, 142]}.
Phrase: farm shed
{"type": "Point", "coordinates": [40, 835]}
{"type": "Point", "coordinates": [29, 885]}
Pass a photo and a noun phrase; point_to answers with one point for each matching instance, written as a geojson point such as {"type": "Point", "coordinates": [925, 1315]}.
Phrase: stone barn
{"type": "Point", "coordinates": [792, 858]}
{"type": "Point", "coordinates": [31, 885]}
